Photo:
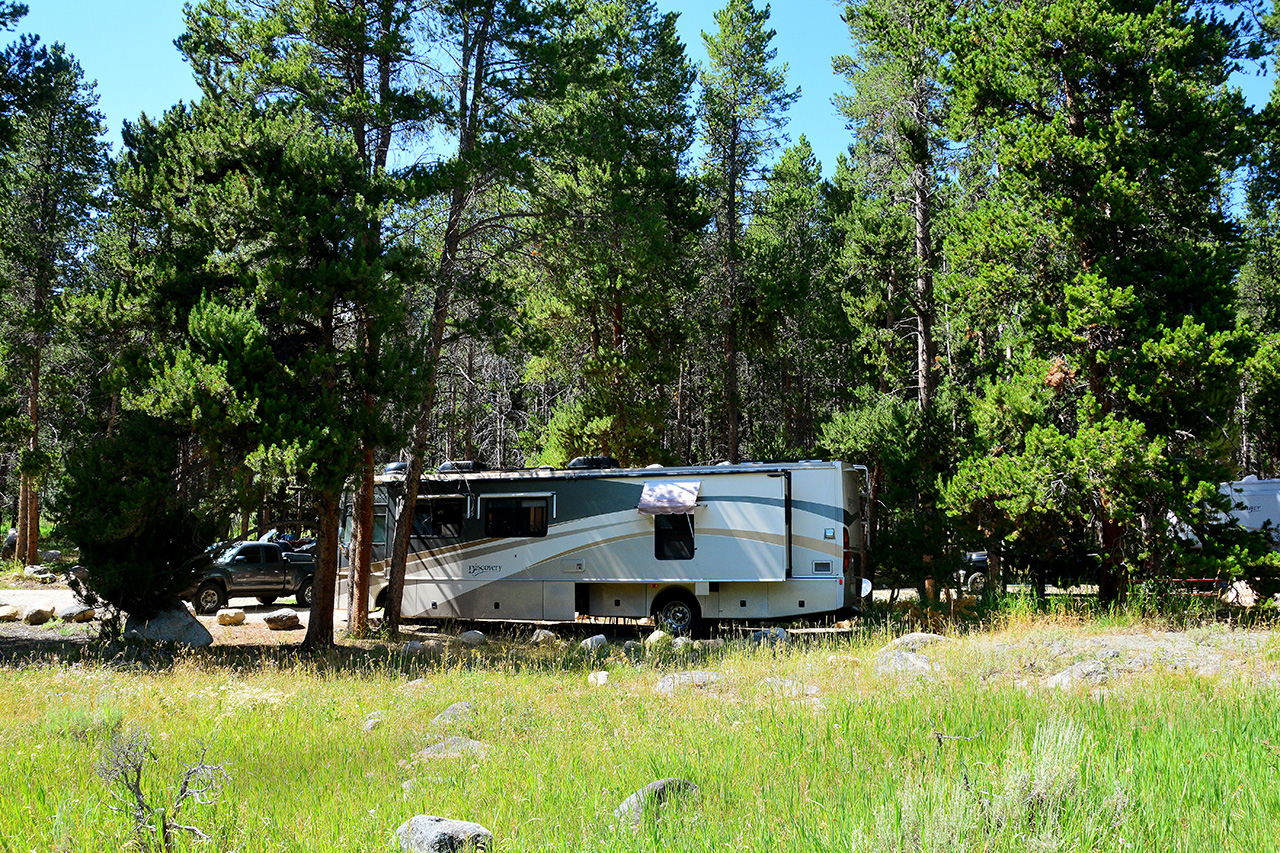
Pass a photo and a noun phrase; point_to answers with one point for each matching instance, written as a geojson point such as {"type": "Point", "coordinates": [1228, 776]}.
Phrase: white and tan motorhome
{"type": "Point", "coordinates": [679, 544]}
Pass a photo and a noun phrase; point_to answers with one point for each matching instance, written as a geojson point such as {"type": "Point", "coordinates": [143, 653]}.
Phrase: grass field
{"type": "Point", "coordinates": [802, 748]}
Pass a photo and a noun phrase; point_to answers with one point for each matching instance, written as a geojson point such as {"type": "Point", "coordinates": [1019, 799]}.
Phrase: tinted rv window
{"type": "Point", "coordinates": [673, 536]}
{"type": "Point", "coordinates": [439, 518]}
{"type": "Point", "coordinates": [515, 517]}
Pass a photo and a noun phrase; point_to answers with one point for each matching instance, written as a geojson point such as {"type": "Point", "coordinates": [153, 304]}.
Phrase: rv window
{"type": "Point", "coordinates": [673, 536]}
{"type": "Point", "coordinates": [439, 518]}
{"type": "Point", "coordinates": [345, 532]}
{"type": "Point", "coordinates": [380, 526]}
{"type": "Point", "coordinates": [506, 517]}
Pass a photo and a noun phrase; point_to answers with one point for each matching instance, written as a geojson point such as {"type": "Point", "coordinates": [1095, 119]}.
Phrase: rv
{"type": "Point", "coordinates": [682, 545]}
{"type": "Point", "coordinates": [1261, 504]}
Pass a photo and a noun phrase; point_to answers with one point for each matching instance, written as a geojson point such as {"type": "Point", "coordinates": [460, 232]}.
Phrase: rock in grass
{"type": "Point", "coordinates": [648, 800]}
{"type": "Point", "coordinates": [50, 556]}
{"type": "Point", "coordinates": [598, 679]}
{"type": "Point", "coordinates": [234, 616]}
{"type": "Point", "coordinates": [769, 637]}
{"type": "Point", "coordinates": [284, 619]}
{"type": "Point", "coordinates": [659, 639]}
{"type": "Point", "coordinates": [372, 721]}
{"type": "Point", "coordinates": [901, 662]}
{"type": "Point", "coordinates": [708, 645]}
{"type": "Point", "coordinates": [38, 614]}
{"type": "Point", "coordinates": [696, 679]}
{"type": "Point", "coordinates": [682, 645]}
{"type": "Point", "coordinates": [175, 625]}
{"type": "Point", "coordinates": [473, 638]}
{"type": "Point", "coordinates": [1090, 672]}
{"type": "Point", "coordinates": [77, 613]}
{"type": "Point", "coordinates": [543, 637]}
{"type": "Point", "coordinates": [429, 834]}
{"type": "Point", "coordinates": [592, 645]}
{"type": "Point", "coordinates": [458, 712]}
{"type": "Point", "coordinates": [914, 642]}
{"type": "Point", "coordinates": [454, 748]}
{"type": "Point", "coordinates": [9, 613]}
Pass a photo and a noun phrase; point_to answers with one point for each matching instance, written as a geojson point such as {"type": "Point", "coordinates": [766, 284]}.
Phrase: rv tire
{"type": "Point", "coordinates": [676, 611]}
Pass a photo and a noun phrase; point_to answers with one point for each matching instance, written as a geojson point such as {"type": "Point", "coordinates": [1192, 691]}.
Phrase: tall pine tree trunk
{"type": "Point", "coordinates": [361, 551]}
{"type": "Point", "coordinates": [320, 622]}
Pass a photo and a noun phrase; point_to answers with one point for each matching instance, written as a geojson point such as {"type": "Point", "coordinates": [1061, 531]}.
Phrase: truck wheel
{"type": "Point", "coordinates": [267, 599]}
{"type": "Point", "coordinates": [304, 594]}
{"type": "Point", "coordinates": [677, 612]}
{"type": "Point", "coordinates": [976, 583]}
{"type": "Point", "coordinates": [209, 598]}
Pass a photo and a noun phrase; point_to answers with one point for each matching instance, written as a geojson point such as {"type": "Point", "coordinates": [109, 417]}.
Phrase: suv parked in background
{"type": "Point", "coordinates": [260, 569]}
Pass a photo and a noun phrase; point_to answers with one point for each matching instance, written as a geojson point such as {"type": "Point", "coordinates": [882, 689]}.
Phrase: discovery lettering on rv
{"type": "Point", "coordinates": [474, 570]}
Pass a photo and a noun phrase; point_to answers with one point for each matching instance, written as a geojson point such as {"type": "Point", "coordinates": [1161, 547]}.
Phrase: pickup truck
{"type": "Point", "coordinates": [259, 569]}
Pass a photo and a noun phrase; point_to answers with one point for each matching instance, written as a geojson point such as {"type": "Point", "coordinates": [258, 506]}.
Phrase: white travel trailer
{"type": "Point", "coordinates": [1261, 504]}
{"type": "Point", "coordinates": [681, 544]}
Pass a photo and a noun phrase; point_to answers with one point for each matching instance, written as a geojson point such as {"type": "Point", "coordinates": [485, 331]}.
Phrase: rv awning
{"type": "Point", "coordinates": [669, 498]}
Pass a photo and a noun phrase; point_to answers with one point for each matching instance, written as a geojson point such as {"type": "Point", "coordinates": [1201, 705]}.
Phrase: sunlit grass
{"type": "Point", "coordinates": [802, 748]}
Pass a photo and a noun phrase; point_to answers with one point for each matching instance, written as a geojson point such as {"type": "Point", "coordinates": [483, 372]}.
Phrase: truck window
{"type": "Point", "coordinates": [673, 536]}
{"type": "Point", "coordinates": [514, 517]}
{"type": "Point", "coordinates": [251, 554]}
{"type": "Point", "coordinates": [270, 553]}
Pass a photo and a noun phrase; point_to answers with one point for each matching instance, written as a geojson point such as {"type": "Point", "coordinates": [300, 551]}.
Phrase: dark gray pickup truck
{"type": "Point", "coordinates": [259, 569]}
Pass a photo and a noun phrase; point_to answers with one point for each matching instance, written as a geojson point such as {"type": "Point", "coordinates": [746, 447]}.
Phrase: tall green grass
{"type": "Point", "coordinates": [1167, 761]}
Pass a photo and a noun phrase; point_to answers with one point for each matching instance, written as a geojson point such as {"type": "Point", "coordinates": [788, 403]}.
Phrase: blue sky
{"type": "Point", "coordinates": [127, 46]}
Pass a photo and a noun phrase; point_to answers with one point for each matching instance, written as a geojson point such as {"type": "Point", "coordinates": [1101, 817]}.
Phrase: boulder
{"type": "Point", "coordinates": [9, 613]}
{"type": "Point", "coordinates": [38, 614]}
{"type": "Point", "coordinates": [77, 613]}
{"type": "Point", "coordinates": [543, 637]}
{"type": "Point", "coordinates": [708, 645]}
{"type": "Point", "coordinates": [901, 662]}
{"type": "Point", "coordinates": [39, 573]}
{"type": "Point", "coordinates": [916, 641]}
{"type": "Point", "coordinates": [454, 748]}
{"type": "Point", "coordinates": [648, 800]}
{"type": "Point", "coordinates": [284, 619]}
{"type": "Point", "coordinates": [659, 639]}
{"type": "Point", "coordinates": [458, 712]}
{"type": "Point", "coordinates": [769, 637]}
{"type": "Point", "coordinates": [50, 556]}
{"type": "Point", "coordinates": [598, 679]}
{"type": "Point", "coordinates": [791, 688]}
{"type": "Point", "coordinates": [372, 721]}
{"type": "Point", "coordinates": [631, 648]}
{"type": "Point", "coordinates": [592, 645]}
{"type": "Point", "coordinates": [429, 834]}
{"type": "Point", "coordinates": [1240, 594]}
{"type": "Point", "coordinates": [696, 679]}
{"type": "Point", "coordinates": [234, 616]}
{"type": "Point", "coordinates": [473, 638]}
{"type": "Point", "coordinates": [174, 625]}
{"type": "Point", "coordinates": [682, 645]}
{"type": "Point", "coordinates": [1090, 673]}
{"type": "Point", "coordinates": [10, 545]}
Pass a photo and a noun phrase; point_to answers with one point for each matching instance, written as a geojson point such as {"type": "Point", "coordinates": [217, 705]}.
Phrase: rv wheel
{"type": "Point", "coordinates": [677, 613]}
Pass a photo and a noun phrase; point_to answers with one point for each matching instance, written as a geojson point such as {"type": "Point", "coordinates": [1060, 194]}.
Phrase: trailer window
{"type": "Point", "coordinates": [439, 518]}
{"type": "Point", "coordinates": [673, 536]}
{"type": "Point", "coordinates": [513, 517]}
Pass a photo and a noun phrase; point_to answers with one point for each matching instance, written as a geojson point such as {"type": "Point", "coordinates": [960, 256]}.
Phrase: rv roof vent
{"type": "Point", "coordinates": [460, 466]}
{"type": "Point", "coordinates": [396, 468]}
{"type": "Point", "coordinates": [594, 462]}
{"type": "Point", "coordinates": [654, 465]}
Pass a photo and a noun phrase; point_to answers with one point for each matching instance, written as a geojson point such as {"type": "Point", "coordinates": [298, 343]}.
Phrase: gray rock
{"type": "Point", "coordinates": [632, 648]}
{"type": "Point", "coordinates": [791, 688]}
{"type": "Point", "coordinates": [9, 613]}
{"type": "Point", "coordinates": [598, 679]}
{"type": "Point", "coordinates": [80, 573]}
{"type": "Point", "coordinates": [458, 712]}
{"type": "Point", "coordinates": [916, 641]}
{"type": "Point", "coordinates": [454, 748]}
{"type": "Point", "coordinates": [413, 648]}
{"type": "Point", "coordinates": [10, 545]}
{"type": "Point", "coordinates": [50, 556]}
{"type": "Point", "coordinates": [38, 614]}
{"type": "Point", "coordinates": [659, 639]}
{"type": "Point", "coordinates": [235, 616]}
{"type": "Point", "coordinates": [682, 645]}
{"type": "Point", "coordinates": [708, 645]}
{"type": "Point", "coordinates": [543, 637]}
{"type": "Point", "coordinates": [647, 801]}
{"type": "Point", "coordinates": [769, 637]}
{"type": "Point", "coordinates": [372, 721]}
{"type": "Point", "coordinates": [473, 638]}
{"type": "Point", "coordinates": [77, 613]}
{"type": "Point", "coordinates": [1090, 672]}
{"type": "Point", "coordinates": [284, 619]}
{"type": "Point", "coordinates": [696, 679]}
{"type": "Point", "coordinates": [902, 662]}
{"type": "Point", "coordinates": [429, 834]}
{"type": "Point", "coordinates": [175, 625]}
{"type": "Point", "coordinates": [592, 645]}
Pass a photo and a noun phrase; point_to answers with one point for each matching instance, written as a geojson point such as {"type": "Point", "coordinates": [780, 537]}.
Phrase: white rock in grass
{"type": "Point", "coordinates": [543, 637]}
{"type": "Point", "coordinates": [682, 645]}
{"type": "Point", "coordinates": [284, 619]}
{"type": "Point", "coordinates": [38, 614]}
{"type": "Point", "coordinates": [659, 639]}
{"type": "Point", "coordinates": [458, 712]}
{"type": "Point", "coordinates": [648, 800]}
{"type": "Point", "coordinates": [790, 688]}
{"type": "Point", "coordinates": [235, 616]}
{"type": "Point", "coordinates": [453, 748]}
{"type": "Point", "coordinates": [175, 625]}
{"type": "Point", "coordinates": [473, 638]}
{"type": "Point", "coordinates": [598, 679]}
{"type": "Point", "coordinates": [696, 679]}
{"type": "Point", "coordinates": [429, 834]}
{"type": "Point", "coordinates": [915, 642]}
{"type": "Point", "coordinates": [900, 662]}
{"type": "Point", "coordinates": [1090, 673]}
{"type": "Point", "coordinates": [9, 613]}
{"type": "Point", "coordinates": [372, 721]}
{"type": "Point", "coordinates": [595, 644]}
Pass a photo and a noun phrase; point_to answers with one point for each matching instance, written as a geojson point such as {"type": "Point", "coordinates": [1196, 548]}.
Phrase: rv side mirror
{"type": "Point", "coordinates": [866, 587]}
